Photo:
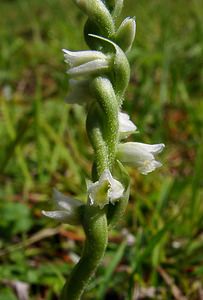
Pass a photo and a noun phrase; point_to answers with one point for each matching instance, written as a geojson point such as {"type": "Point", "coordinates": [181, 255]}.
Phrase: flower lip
{"type": "Point", "coordinates": [105, 190]}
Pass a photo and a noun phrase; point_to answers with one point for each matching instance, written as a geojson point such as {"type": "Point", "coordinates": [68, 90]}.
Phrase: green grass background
{"type": "Point", "coordinates": [158, 246]}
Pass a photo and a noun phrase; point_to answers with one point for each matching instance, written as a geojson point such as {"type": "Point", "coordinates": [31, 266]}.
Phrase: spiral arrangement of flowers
{"type": "Point", "coordinates": [98, 79]}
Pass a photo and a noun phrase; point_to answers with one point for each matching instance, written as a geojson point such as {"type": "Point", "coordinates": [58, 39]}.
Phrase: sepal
{"type": "Point", "coordinates": [126, 126]}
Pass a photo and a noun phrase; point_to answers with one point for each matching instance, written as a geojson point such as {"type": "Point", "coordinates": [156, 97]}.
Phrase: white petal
{"type": "Point", "coordinates": [58, 215]}
{"type": "Point", "coordinates": [154, 149]}
{"type": "Point", "coordinates": [72, 218]}
{"type": "Point", "coordinates": [75, 58]}
{"type": "Point", "coordinates": [106, 175]}
{"type": "Point", "coordinates": [116, 189]}
{"type": "Point", "coordinates": [126, 126]}
{"type": "Point", "coordinates": [133, 154]}
{"type": "Point", "coordinates": [89, 68]}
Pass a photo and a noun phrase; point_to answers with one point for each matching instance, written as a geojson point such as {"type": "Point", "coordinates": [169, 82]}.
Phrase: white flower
{"type": "Point", "coordinates": [85, 62]}
{"type": "Point", "coordinates": [68, 209]}
{"type": "Point", "coordinates": [126, 126]}
{"type": "Point", "coordinates": [140, 155]}
{"type": "Point", "coordinates": [105, 190]}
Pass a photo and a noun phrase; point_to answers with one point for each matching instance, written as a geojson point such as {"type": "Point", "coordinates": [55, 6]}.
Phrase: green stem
{"type": "Point", "coordinates": [106, 98]}
{"type": "Point", "coordinates": [94, 132]}
{"type": "Point", "coordinates": [96, 230]}
{"type": "Point", "coordinates": [98, 14]}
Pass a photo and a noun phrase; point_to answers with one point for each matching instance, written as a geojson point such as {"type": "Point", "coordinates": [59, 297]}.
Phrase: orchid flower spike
{"type": "Point", "coordinates": [105, 190]}
{"type": "Point", "coordinates": [126, 126]}
{"type": "Point", "coordinates": [140, 155]}
{"type": "Point", "coordinates": [85, 62]}
{"type": "Point", "coordinates": [68, 209]}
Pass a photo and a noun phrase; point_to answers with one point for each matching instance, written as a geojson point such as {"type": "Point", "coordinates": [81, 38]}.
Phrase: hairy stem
{"type": "Point", "coordinates": [106, 98]}
{"type": "Point", "coordinates": [94, 132]}
{"type": "Point", "coordinates": [96, 230]}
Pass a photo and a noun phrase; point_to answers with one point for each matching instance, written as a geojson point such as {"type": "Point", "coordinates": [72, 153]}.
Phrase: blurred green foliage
{"type": "Point", "coordinates": [44, 145]}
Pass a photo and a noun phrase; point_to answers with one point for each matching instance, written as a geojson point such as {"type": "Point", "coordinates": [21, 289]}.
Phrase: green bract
{"type": "Point", "coordinates": [125, 34]}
